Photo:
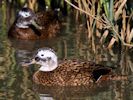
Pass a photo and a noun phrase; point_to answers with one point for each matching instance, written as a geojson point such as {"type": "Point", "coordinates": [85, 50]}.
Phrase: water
{"type": "Point", "coordinates": [16, 82]}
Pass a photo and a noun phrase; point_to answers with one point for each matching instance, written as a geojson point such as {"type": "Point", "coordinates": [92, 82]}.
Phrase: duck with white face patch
{"type": "Point", "coordinates": [30, 25]}
{"type": "Point", "coordinates": [68, 72]}
{"type": "Point", "coordinates": [47, 59]}
{"type": "Point", "coordinates": [25, 18]}
{"type": "Point", "coordinates": [25, 13]}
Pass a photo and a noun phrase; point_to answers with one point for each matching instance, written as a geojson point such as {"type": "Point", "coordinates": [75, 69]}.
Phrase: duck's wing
{"type": "Point", "coordinates": [73, 65]}
{"type": "Point", "coordinates": [46, 18]}
{"type": "Point", "coordinates": [49, 23]}
{"type": "Point", "coordinates": [78, 65]}
{"type": "Point", "coordinates": [95, 71]}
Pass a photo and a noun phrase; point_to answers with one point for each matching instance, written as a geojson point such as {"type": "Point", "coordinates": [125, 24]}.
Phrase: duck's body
{"type": "Point", "coordinates": [24, 29]}
{"type": "Point", "coordinates": [70, 73]}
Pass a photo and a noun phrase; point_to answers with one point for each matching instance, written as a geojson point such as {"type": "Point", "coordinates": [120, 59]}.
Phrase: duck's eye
{"type": "Point", "coordinates": [42, 55]}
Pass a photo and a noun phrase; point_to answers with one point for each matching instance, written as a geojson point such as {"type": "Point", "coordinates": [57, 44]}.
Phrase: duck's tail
{"type": "Point", "coordinates": [114, 78]}
{"type": "Point", "coordinates": [118, 77]}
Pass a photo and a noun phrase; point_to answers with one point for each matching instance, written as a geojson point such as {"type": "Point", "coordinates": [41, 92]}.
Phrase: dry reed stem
{"type": "Point", "coordinates": [130, 36]}
{"type": "Point", "coordinates": [89, 19]}
{"type": "Point", "coordinates": [119, 11]}
{"type": "Point", "coordinates": [117, 4]}
{"type": "Point", "coordinates": [31, 4]}
{"type": "Point", "coordinates": [89, 30]}
{"type": "Point", "coordinates": [65, 49]}
{"type": "Point", "coordinates": [77, 15]}
{"type": "Point", "coordinates": [127, 33]}
{"type": "Point", "coordinates": [111, 43]}
{"type": "Point", "coordinates": [128, 29]}
{"type": "Point", "coordinates": [99, 26]}
{"type": "Point", "coordinates": [125, 63]}
{"type": "Point", "coordinates": [104, 36]}
{"type": "Point", "coordinates": [82, 10]}
{"type": "Point", "coordinates": [79, 4]}
{"type": "Point", "coordinates": [123, 30]}
{"type": "Point", "coordinates": [93, 44]}
{"type": "Point", "coordinates": [131, 65]}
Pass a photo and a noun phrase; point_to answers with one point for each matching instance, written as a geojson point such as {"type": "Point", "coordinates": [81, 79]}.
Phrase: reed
{"type": "Point", "coordinates": [105, 19]}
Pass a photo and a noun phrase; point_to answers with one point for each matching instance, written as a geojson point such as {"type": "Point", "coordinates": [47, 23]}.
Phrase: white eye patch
{"type": "Point", "coordinates": [45, 53]}
{"type": "Point", "coordinates": [24, 14]}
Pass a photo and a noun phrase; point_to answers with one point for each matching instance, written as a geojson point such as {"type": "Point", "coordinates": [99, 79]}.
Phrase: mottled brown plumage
{"type": "Point", "coordinates": [47, 21]}
{"type": "Point", "coordinates": [68, 72]}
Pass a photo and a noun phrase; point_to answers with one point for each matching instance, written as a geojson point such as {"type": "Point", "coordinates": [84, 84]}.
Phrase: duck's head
{"type": "Point", "coordinates": [25, 18]}
{"type": "Point", "coordinates": [45, 57]}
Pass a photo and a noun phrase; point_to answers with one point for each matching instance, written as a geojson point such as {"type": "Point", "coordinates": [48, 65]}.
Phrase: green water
{"type": "Point", "coordinates": [16, 82]}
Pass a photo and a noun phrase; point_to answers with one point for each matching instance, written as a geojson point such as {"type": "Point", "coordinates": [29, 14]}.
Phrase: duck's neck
{"type": "Point", "coordinates": [48, 67]}
{"type": "Point", "coordinates": [20, 25]}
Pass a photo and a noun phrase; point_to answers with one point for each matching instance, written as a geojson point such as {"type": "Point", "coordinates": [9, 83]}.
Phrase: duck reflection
{"type": "Point", "coordinates": [45, 97]}
{"type": "Point", "coordinates": [68, 92]}
{"type": "Point", "coordinates": [95, 92]}
{"type": "Point", "coordinates": [25, 48]}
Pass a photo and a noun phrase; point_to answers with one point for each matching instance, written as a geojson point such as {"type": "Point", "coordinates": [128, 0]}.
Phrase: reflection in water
{"type": "Point", "coordinates": [16, 82]}
{"type": "Point", "coordinates": [45, 97]}
{"type": "Point", "coordinates": [105, 91]}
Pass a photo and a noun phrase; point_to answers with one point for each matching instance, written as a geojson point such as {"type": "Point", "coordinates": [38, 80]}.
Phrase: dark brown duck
{"type": "Point", "coordinates": [68, 72]}
{"type": "Point", "coordinates": [31, 26]}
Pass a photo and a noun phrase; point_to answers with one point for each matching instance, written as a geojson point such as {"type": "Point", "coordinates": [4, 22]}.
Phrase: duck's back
{"type": "Point", "coordinates": [46, 18]}
{"type": "Point", "coordinates": [49, 22]}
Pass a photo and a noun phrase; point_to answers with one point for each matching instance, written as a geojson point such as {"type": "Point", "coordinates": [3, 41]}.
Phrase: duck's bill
{"type": "Point", "coordinates": [28, 63]}
{"type": "Point", "coordinates": [36, 25]}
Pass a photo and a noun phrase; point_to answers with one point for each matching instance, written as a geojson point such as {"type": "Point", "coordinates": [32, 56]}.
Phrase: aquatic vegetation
{"type": "Point", "coordinates": [110, 18]}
